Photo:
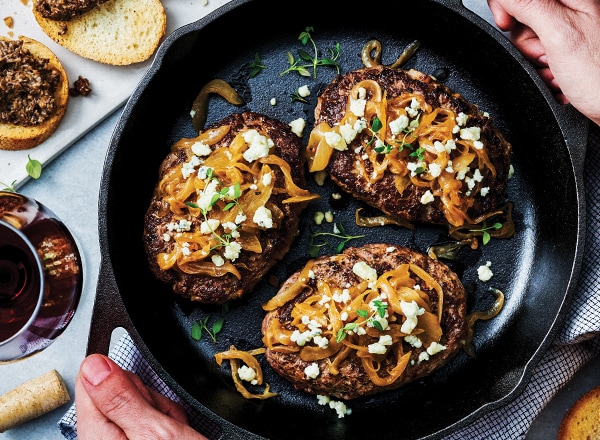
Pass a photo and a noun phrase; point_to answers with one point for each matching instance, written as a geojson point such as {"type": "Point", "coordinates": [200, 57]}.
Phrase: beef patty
{"type": "Point", "coordinates": [409, 146]}
{"type": "Point", "coordinates": [370, 319]}
{"type": "Point", "coordinates": [226, 207]}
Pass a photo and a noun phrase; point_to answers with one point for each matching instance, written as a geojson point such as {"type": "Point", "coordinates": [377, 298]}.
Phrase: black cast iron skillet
{"type": "Point", "coordinates": [536, 269]}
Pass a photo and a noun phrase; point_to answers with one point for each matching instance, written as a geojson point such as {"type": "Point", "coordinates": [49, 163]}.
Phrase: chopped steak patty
{"type": "Point", "coordinates": [415, 169]}
{"type": "Point", "coordinates": [225, 210]}
{"type": "Point", "coordinates": [335, 283]}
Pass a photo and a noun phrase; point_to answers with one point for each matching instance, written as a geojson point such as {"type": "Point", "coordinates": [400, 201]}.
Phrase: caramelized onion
{"type": "Point", "coordinates": [484, 315]}
{"type": "Point", "coordinates": [200, 105]}
{"type": "Point", "coordinates": [371, 54]}
{"type": "Point", "coordinates": [247, 357]}
{"type": "Point", "coordinates": [355, 319]}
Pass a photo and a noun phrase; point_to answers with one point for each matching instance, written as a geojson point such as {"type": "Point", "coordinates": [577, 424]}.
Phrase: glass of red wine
{"type": "Point", "coordinates": [41, 276]}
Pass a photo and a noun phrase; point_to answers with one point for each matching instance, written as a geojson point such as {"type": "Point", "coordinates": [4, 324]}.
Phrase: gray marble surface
{"type": "Point", "coordinates": [69, 186]}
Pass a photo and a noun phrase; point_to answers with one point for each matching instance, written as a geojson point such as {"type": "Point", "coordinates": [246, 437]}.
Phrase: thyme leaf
{"type": "Point", "coordinates": [307, 60]}
{"type": "Point", "coordinates": [202, 326]}
{"type": "Point", "coordinates": [256, 66]}
{"type": "Point", "coordinates": [316, 241]}
{"type": "Point", "coordinates": [485, 235]}
{"type": "Point", "coordinates": [368, 319]}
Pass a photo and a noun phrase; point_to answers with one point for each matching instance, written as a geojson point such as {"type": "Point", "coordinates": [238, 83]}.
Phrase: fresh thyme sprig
{"type": "Point", "coordinates": [10, 187]}
{"type": "Point", "coordinates": [256, 66]}
{"type": "Point", "coordinates": [201, 326]}
{"type": "Point", "coordinates": [225, 239]}
{"type": "Point", "coordinates": [485, 235]}
{"type": "Point", "coordinates": [307, 60]}
{"type": "Point", "coordinates": [296, 97]}
{"type": "Point", "coordinates": [380, 310]}
{"type": "Point", "coordinates": [339, 233]}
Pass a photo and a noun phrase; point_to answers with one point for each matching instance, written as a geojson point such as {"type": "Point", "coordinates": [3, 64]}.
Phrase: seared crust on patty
{"type": "Point", "coordinates": [217, 283]}
{"type": "Point", "coordinates": [351, 380]}
{"type": "Point", "coordinates": [397, 191]}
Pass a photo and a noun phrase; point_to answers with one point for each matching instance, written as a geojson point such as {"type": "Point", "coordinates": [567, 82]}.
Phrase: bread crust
{"type": "Point", "coordinates": [20, 137]}
{"type": "Point", "coordinates": [582, 420]}
{"type": "Point", "coordinates": [117, 32]}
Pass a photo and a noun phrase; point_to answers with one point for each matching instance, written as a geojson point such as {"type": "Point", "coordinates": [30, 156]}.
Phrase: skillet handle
{"type": "Point", "coordinates": [108, 313]}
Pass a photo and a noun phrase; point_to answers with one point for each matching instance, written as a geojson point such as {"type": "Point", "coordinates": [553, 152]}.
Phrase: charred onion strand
{"type": "Point", "coordinates": [449, 250]}
{"type": "Point", "coordinates": [371, 54]}
{"type": "Point", "coordinates": [484, 315]}
{"type": "Point", "coordinates": [234, 356]}
{"type": "Point", "coordinates": [199, 111]}
{"type": "Point", "coordinates": [380, 220]}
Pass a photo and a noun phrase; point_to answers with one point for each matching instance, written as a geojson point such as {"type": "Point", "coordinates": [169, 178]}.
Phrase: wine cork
{"type": "Point", "coordinates": [32, 399]}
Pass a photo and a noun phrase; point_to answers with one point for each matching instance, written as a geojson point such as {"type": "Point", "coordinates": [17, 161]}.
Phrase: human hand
{"type": "Point", "coordinates": [561, 38]}
{"type": "Point", "coordinates": [114, 404]}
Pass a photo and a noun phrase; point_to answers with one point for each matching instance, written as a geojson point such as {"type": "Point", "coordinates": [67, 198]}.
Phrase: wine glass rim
{"type": "Point", "coordinates": [40, 270]}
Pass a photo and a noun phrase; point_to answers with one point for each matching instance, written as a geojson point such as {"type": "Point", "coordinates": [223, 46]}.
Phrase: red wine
{"type": "Point", "coordinates": [20, 281]}
{"type": "Point", "coordinates": [41, 276]}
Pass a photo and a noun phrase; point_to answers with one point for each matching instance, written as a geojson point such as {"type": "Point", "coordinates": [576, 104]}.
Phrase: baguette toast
{"type": "Point", "coordinates": [117, 32]}
{"type": "Point", "coordinates": [31, 112]}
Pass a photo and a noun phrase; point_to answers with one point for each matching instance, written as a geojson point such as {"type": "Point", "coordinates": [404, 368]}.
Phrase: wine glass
{"type": "Point", "coordinates": [41, 276]}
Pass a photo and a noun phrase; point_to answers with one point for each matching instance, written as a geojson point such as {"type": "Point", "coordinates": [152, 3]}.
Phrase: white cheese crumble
{"type": "Point", "coordinates": [263, 217]}
{"type": "Point", "coordinates": [335, 140]}
{"type": "Point", "coordinates": [312, 371]}
{"type": "Point", "coordinates": [232, 250]}
{"type": "Point", "coordinates": [411, 311]}
{"type": "Point", "coordinates": [304, 91]}
{"type": "Point", "coordinates": [248, 374]}
{"type": "Point", "coordinates": [484, 272]}
{"type": "Point", "coordinates": [399, 124]}
{"type": "Point", "coordinates": [217, 260]}
{"type": "Point", "coordinates": [357, 106]}
{"type": "Point", "coordinates": [340, 407]}
{"type": "Point", "coordinates": [471, 133]}
{"type": "Point", "coordinates": [258, 145]}
{"type": "Point", "coordinates": [427, 197]}
{"type": "Point", "coordinates": [298, 126]}
{"type": "Point", "coordinates": [380, 347]}
{"type": "Point", "coordinates": [201, 149]}
{"type": "Point", "coordinates": [364, 271]}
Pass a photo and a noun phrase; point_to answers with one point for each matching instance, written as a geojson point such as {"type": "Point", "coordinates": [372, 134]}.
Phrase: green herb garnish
{"type": "Point", "coordinates": [339, 232]}
{"type": "Point", "coordinates": [485, 235]}
{"type": "Point", "coordinates": [33, 167]}
{"type": "Point", "coordinates": [256, 66]}
{"type": "Point", "coordinates": [307, 60]}
{"type": "Point", "coordinates": [10, 187]}
{"type": "Point", "coordinates": [380, 310]}
{"type": "Point", "coordinates": [199, 327]}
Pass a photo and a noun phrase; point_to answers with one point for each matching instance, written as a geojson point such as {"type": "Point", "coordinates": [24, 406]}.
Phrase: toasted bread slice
{"type": "Point", "coordinates": [36, 122]}
{"type": "Point", "coordinates": [368, 320]}
{"type": "Point", "coordinates": [117, 32]}
{"type": "Point", "coordinates": [582, 420]}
